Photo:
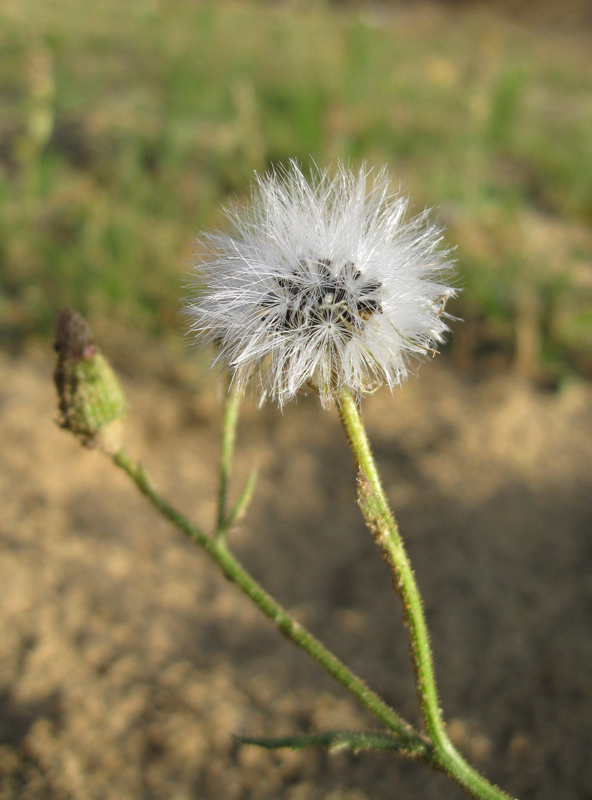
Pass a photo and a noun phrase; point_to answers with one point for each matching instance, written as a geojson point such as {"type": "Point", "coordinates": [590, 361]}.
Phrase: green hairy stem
{"type": "Point", "coordinates": [331, 740]}
{"type": "Point", "coordinates": [435, 749]}
{"type": "Point", "coordinates": [381, 522]}
{"type": "Point", "coordinates": [412, 743]}
{"type": "Point", "coordinates": [229, 423]}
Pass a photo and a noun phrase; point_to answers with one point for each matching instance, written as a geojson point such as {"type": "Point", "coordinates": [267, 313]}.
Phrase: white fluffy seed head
{"type": "Point", "coordinates": [322, 282]}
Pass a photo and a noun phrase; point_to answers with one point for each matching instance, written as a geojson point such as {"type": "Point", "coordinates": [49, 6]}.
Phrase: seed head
{"type": "Point", "coordinates": [322, 282]}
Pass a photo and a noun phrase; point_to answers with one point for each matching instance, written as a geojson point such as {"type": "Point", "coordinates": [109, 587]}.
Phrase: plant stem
{"type": "Point", "coordinates": [229, 423]}
{"type": "Point", "coordinates": [380, 520]}
{"type": "Point", "coordinates": [332, 740]}
{"type": "Point", "coordinates": [412, 743]}
{"type": "Point", "coordinates": [241, 504]}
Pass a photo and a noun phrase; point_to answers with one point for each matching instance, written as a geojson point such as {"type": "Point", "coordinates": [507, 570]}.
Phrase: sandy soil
{"type": "Point", "coordinates": [127, 662]}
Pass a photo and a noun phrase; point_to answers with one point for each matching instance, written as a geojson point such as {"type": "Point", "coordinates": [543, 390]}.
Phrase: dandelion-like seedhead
{"type": "Point", "coordinates": [322, 282]}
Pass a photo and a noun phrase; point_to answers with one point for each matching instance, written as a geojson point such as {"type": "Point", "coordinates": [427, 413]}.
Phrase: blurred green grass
{"type": "Point", "coordinates": [125, 126]}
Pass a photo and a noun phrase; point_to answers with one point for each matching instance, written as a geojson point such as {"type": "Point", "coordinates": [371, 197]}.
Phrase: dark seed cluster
{"type": "Point", "coordinates": [342, 297]}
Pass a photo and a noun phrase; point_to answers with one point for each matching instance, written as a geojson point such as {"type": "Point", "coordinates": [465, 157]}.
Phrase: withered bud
{"type": "Point", "coordinates": [91, 401]}
{"type": "Point", "coordinates": [72, 333]}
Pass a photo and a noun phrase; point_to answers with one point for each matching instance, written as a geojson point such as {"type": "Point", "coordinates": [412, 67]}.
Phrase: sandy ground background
{"type": "Point", "coordinates": [127, 662]}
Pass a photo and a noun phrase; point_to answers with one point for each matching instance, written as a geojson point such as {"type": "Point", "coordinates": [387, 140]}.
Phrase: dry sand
{"type": "Point", "coordinates": [127, 662]}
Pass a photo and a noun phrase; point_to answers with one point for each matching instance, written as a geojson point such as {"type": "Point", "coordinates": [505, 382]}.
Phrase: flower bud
{"type": "Point", "coordinates": [91, 401]}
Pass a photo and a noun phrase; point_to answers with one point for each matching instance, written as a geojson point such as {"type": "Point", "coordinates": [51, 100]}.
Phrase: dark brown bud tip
{"type": "Point", "coordinates": [73, 335]}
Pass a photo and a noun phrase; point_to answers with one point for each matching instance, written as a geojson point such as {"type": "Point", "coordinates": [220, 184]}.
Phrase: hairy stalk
{"type": "Point", "coordinates": [412, 743]}
{"type": "Point", "coordinates": [381, 522]}
{"type": "Point", "coordinates": [241, 505]}
{"type": "Point", "coordinates": [332, 740]}
{"type": "Point", "coordinates": [229, 423]}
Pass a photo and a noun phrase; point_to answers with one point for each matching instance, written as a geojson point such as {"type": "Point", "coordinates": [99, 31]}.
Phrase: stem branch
{"type": "Point", "coordinates": [412, 742]}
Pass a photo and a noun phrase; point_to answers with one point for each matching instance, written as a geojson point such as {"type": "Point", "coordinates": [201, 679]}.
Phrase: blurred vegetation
{"type": "Point", "coordinates": [125, 126]}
